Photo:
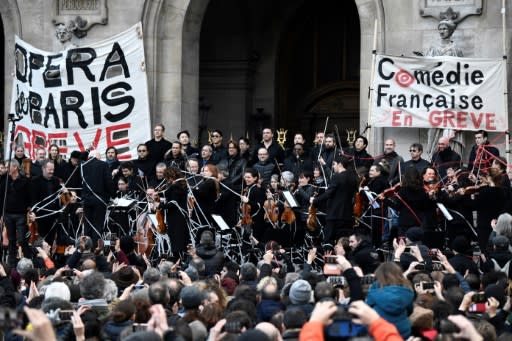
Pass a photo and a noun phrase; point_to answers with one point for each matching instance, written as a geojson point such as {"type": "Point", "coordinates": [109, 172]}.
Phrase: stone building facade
{"type": "Point", "coordinates": [239, 65]}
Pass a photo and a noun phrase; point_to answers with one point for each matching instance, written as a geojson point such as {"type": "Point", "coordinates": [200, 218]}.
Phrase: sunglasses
{"type": "Point", "coordinates": [412, 150]}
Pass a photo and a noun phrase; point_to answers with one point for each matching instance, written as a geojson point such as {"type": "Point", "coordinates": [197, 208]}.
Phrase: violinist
{"type": "Point", "coordinates": [254, 196]}
{"type": "Point", "coordinates": [228, 201]}
{"type": "Point", "coordinates": [501, 164]}
{"type": "Point", "coordinates": [235, 164]}
{"type": "Point", "coordinates": [175, 204]}
{"type": "Point", "coordinates": [432, 187]}
{"type": "Point", "coordinates": [45, 201]}
{"type": "Point", "coordinates": [445, 157]}
{"type": "Point", "coordinates": [205, 194]}
{"type": "Point", "coordinates": [409, 202]}
{"type": "Point", "coordinates": [305, 190]}
{"type": "Point", "coordinates": [339, 196]}
{"type": "Point", "coordinates": [376, 183]}
{"type": "Point", "coordinates": [488, 202]}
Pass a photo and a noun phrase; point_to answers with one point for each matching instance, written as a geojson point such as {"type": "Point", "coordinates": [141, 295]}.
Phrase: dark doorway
{"type": "Point", "coordinates": [318, 68]}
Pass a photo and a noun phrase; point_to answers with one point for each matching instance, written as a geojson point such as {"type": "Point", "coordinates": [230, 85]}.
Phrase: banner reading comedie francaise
{"type": "Point", "coordinates": [439, 92]}
{"type": "Point", "coordinates": [94, 94]}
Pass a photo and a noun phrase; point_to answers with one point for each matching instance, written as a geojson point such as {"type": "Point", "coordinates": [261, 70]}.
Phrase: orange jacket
{"type": "Point", "coordinates": [381, 330]}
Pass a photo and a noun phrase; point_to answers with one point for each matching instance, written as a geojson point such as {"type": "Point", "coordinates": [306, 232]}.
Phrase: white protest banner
{"type": "Point", "coordinates": [93, 94]}
{"type": "Point", "coordinates": [439, 92]}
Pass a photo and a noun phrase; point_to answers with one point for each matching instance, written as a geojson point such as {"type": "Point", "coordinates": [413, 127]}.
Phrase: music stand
{"type": "Point", "coordinates": [291, 199]}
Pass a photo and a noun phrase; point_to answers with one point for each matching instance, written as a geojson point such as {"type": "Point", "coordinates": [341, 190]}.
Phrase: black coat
{"type": "Point", "coordinates": [43, 193]}
{"type": "Point", "coordinates": [175, 206]}
{"type": "Point", "coordinates": [157, 149]}
{"type": "Point", "coordinates": [96, 182]}
{"type": "Point", "coordinates": [235, 166]}
{"type": "Point", "coordinates": [365, 257]}
{"type": "Point", "coordinates": [339, 196]}
{"type": "Point", "coordinates": [444, 160]}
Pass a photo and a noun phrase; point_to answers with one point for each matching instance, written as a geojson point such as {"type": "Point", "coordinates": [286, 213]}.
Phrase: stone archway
{"type": "Point", "coordinates": [11, 21]}
{"type": "Point", "coordinates": [171, 33]}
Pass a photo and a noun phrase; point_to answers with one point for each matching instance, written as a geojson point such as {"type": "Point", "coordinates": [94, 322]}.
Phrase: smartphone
{"type": "Point", "coordinates": [478, 298]}
{"type": "Point", "coordinates": [137, 327]}
{"type": "Point", "coordinates": [407, 249]}
{"type": "Point", "coordinates": [420, 267]}
{"type": "Point", "coordinates": [68, 273]}
{"type": "Point", "coordinates": [65, 315]}
{"type": "Point", "coordinates": [427, 285]}
{"type": "Point", "coordinates": [138, 287]}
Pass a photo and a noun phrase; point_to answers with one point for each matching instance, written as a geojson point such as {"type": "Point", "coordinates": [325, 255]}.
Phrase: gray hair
{"type": "Point", "coordinates": [93, 286]}
{"type": "Point", "coordinates": [24, 265]}
{"type": "Point", "coordinates": [110, 290]}
{"type": "Point", "coordinates": [504, 225]}
{"type": "Point", "coordinates": [165, 268]}
{"type": "Point", "coordinates": [151, 275]}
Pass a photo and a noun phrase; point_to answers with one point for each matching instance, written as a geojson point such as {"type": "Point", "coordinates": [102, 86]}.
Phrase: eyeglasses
{"type": "Point", "coordinates": [215, 135]}
{"type": "Point", "coordinates": [142, 150]}
{"type": "Point", "coordinates": [412, 150]}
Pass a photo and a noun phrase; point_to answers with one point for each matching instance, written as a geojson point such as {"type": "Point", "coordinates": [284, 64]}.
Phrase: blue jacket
{"type": "Point", "coordinates": [394, 304]}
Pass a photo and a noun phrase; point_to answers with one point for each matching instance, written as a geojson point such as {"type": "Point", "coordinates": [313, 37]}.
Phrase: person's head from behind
{"type": "Point", "coordinates": [92, 286]}
{"type": "Point", "coordinates": [390, 273]}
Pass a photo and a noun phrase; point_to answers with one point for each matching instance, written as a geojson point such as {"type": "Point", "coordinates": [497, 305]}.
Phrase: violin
{"type": "Point", "coordinates": [358, 201]}
{"type": "Point", "coordinates": [271, 210]}
{"type": "Point", "coordinates": [288, 216]}
{"type": "Point", "coordinates": [32, 227]}
{"type": "Point", "coordinates": [245, 209]}
{"type": "Point", "coordinates": [311, 222]}
{"type": "Point", "coordinates": [246, 215]}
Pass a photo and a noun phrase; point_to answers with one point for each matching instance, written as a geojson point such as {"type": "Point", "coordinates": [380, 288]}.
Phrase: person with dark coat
{"type": "Point", "coordinates": [275, 151]}
{"type": "Point", "coordinates": [235, 165]}
{"type": "Point", "coordinates": [410, 201]}
{"type": "Point", "coordinates": [339, 196]}
{"type": "Point", "coordinates": [416, 161]}
{"type": "Point", "coordinates": [212, 256]}
{"type": "Point", "coordinates": [445, 157]}
{"type": "Point", "coordinates": [361, 158]}
{"type": "Point", "coordinates": [97, 189]}
{"type": "Point", "coordinates": [184, 138]}
{"type": "Point", "coordinates": [264, 166]}
{"type": "Point", "coordinates": [227, 203]}
{"type": "Point", "coordinates": [158, 145]}
{"type": "Point", "coordinates": [205, 194]}
{"type": "Point", "coordinates": [482, 153]}
{"type": "Point", "coordinates": [392, 159]}
{"type": "Point", "coordinates": [219, 151]}
{"type": "Point", "coordinates": [175, 204]}
{"type": "Point", "coordinates": [144, 165]}
{"type": "Point", "coordinates": [462, 260]}
{"type": "Point", "coordinates": [499, 257]}
{"type": "Point", "coordinates": [488, 203]}
{"type": "Point", "coordinates": [175, 157]}
{"type": "Point", "coordinates": [16, 207]}
{"type": "Point", "coordinates": [298, 162]}
{"type": "Point", "coordinates": [363, 254]}
{"type": "Point", "coordinates": [45, 200]}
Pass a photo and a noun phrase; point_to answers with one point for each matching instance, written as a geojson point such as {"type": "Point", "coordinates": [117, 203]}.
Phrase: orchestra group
{"type": "Point", "coordinates": [308, 194]}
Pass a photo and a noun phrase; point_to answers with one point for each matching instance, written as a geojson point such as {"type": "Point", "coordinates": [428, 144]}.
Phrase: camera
{"type": "Point", "coordinates": [478, 298]}
{"type": "Point", "coordinates": [420, 267]}
{"type": "Point", "coordinates": [137, 327]}
{"type": "Point", "coordinates": [65, 315]}
{"type": "Point", "coordinates": [174, 274]}
{"type": "Point", "coordinates": [138, 287]}
{"type": "Point", "coordinates": [337, 281]}
{"type": "Point", "coordinates": [427, 285]}
{"type": "Point", "coordinates": [437, 266]}
{"type": "Point", "coordinates": [110, 240]}
{"type": "Point", "coordinates": [331, 267]}
{"type": "Point", "coordinates": [68, 273]}
{"type": "Point", "coordinates": [233, 327]}
{"type": "Point", "coordinates": [342, 326]}
{"type": "Point", "coordinates": [367, 279]}
{"type": "Point", "coordinates": [407, 249]}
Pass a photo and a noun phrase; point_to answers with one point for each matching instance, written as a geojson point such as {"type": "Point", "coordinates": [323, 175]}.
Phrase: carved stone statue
{"type": "Point", "coordinates": [64, 33]}
{"type": "Point", "coordinates": [446, 47]}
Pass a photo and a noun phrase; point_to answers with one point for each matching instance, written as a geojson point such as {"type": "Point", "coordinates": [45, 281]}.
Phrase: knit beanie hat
{"type": "Point", "coordinates": [300, 292]}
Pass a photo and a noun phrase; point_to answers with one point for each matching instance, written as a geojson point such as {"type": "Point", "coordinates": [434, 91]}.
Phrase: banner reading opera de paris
{"type": "Point", "coordinates": [92, 94]}
{"type": "Point", "coordinates": [439, 92]}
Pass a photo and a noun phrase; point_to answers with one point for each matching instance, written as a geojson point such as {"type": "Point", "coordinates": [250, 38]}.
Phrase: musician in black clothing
{"type": "Point", "coordinates": [254, 196]}
{"type": "Point", "coordinates": [174, 157]}
{"type": "Point", "coordinates": [45, 201]}
{"type": "Point", "coordinates": [184, 138]}
{"type": "Point", "coordinates": [339, 196]}
{"type": "Point", "coordinates": [16, 208]}
{"type": "Point", "coordinates": [158, 145]}
{"type": "Point", "coordinates": [97, 189]}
